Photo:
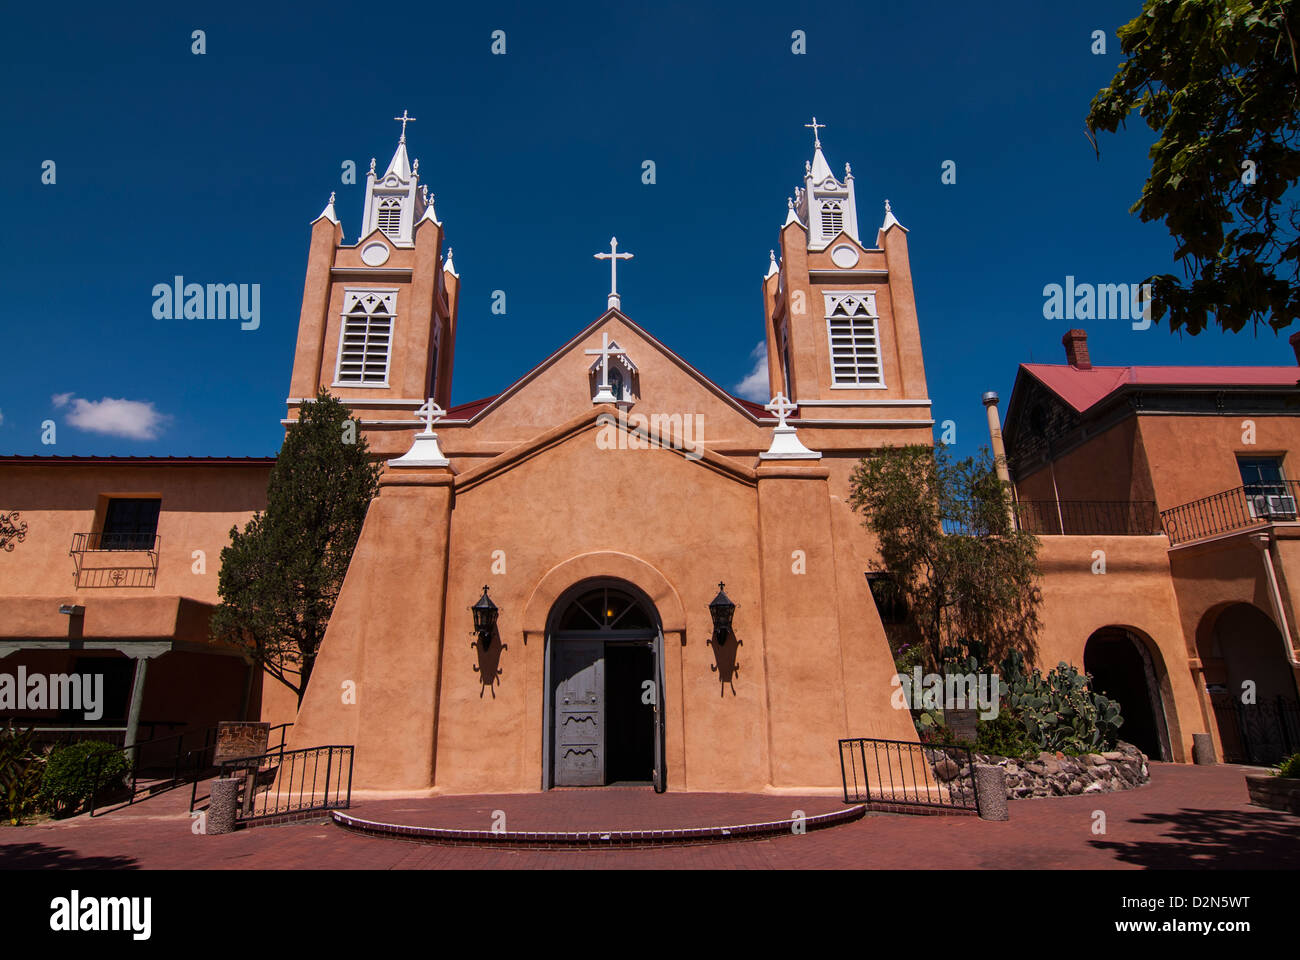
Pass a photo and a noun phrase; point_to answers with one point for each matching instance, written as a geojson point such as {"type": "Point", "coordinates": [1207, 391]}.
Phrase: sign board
{"type": "Point", "coordinates": [237, 740]}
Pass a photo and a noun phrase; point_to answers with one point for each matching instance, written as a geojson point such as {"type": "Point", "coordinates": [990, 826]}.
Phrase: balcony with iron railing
{"type": "Point", "coordinates": [1098, 518]}
{"type": "Point", "coordinates": [115, 559]}
{"type": "Point", "coordinates": [1240, 508]}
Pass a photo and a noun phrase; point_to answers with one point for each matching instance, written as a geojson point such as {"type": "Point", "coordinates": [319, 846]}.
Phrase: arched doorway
{"type": "Point", "coordinates": [1123, 670]}
{"type": "Point", "coordinates": [604, 683]}
{"type": "Point", "coordinates": [1251, 687]}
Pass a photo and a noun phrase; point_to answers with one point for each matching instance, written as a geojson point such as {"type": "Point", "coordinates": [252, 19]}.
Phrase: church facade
{"type": "Point", "coordinates": [605, 664]}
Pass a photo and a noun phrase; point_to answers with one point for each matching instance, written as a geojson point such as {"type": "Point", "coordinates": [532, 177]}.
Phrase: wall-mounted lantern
{"type": "Point", "coordinates": [722, 610]}
{"type": "Point", "coordinates": [485, 617]}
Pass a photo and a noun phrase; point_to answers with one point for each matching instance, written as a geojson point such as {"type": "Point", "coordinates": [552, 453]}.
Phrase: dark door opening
{"type": "Point", "coordinates": [1119, 672]}
{"type": "Point", "coordinates": [629, 710]}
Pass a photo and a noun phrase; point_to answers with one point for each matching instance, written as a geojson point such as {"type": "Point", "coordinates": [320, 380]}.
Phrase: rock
{"type": "Point", "coordinates": [1102, 768]}
{"type": "Point", "coordinates": [1114, 754]}
{"type": "Point", "coordinates": [1094, 759]}
{"type": "Point", "coordinates": [1095, 787]}
{"type": "Point", "coordinates": [1075, 787]}
{"type": "Point", "coordinates": [945, 768]}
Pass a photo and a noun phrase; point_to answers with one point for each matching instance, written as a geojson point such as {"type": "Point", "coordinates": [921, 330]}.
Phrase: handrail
{"type": "Point", "coordinates": [1238, 508]}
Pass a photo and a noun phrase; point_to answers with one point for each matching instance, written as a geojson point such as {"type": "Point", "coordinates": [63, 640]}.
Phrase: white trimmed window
{"type": "Point", "coordinates": [832, 219]}
{"type": "Point", "coordinates": [366, 340]}
{"type": "Point", "coordinates": [390, 217]}
{"type": "Point", "coordinates": [851, 324]}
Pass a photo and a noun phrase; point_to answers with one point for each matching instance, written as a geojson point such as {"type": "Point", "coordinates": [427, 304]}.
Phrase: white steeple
{"type": "Point", "coordinates": [828, 206]}
{"type": "Point", "coordinates": [771, 267]}
{"type": "Point", "coordinates": [328, 213]}
{"type": "Point", "coordinates": [890, 220]}
{"type": "Point", "coordinates": [394, 201]}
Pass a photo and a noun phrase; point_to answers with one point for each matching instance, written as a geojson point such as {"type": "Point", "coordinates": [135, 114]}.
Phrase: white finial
{"type": "Point", "coordinates": [613, 257]}
{"type": "Point", "coordinates": [817, 141]}
{"type": "Point", "coordinates": [447, 265]}
{"type": "Point", "coordinates": [415, 167]}
{"type": "Point", "coordinates": [771, 267]}
{"type": "Point", "coordinates": [328, 213]}
{"type": "Point", "coordinates": [848, 172]}
{"type": "Point", "coordinates": [807, 167]}
{"type": "Point", "coordinates": [405, 120]}
{"type": "Point", "coordinates": [785, 444]}
{"type": "Point", "coordinates": [790, 216]}
{"type": "Point", "coordinates": [604, 395]}
{"type": "Point", "coordinates": [890, 219]}
{"type": "Point", "coordinates": [372, 166]}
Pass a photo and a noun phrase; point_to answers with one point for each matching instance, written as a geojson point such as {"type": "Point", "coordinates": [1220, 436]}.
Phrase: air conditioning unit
{"type": "Point", "coordinates": [1281, 507]}
{"type": "Point", "coordinates": [1258, 507]}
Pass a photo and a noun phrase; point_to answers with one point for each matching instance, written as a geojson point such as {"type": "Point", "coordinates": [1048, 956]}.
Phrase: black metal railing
{"type": "Point", "coordinates": [1235, 509]}
{"type": "Point", "coordinates": [153, 766]}
{"type": "Point", "coordinates": [1256, 733]}
{"type": "Point", "coordinates": [98, 559]}
{"type": "Point", "coordinates": [1120, 518]}
{"type": "Point", "coordinates": [907, 774]}
{"type": "Point", "coordinates": [1117, 518]}
{"type": "Point", "coordinates": [292, 784]}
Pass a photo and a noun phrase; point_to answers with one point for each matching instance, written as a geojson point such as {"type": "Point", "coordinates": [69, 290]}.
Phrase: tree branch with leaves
{"type": "Point", "coordinates": [281, 575]}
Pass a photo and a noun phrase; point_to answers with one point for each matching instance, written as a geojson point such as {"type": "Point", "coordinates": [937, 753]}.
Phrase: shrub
{"type": "Point", "coordinates": [71, 775]}
{"type": "Point", "coordinates": [1004, 736]}
{"type": "Point", "coordinates": [1290, 767]}
{"type": "Point", "coordinates": [20, 774]}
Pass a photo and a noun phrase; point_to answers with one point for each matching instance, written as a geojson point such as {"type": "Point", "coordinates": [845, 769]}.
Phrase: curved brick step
{"type": "Point", "coordinates": [596, 838]}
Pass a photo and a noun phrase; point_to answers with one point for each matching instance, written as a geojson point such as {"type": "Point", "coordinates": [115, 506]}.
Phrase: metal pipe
{"type": "Point", "coordinates": [1000, 454]}
{"type": "Point", "coordinates": [1263, 541]}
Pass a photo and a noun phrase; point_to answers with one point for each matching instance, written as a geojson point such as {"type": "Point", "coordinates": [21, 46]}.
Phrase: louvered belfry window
{"type": "Point", "coordinates": [390, 218]}
{"type": "Point", "coordinates": [832, 219]}
{"type": "Point", "coordinates": [365, 345]}
{"type": "Point", "coordinates": [855, 345]}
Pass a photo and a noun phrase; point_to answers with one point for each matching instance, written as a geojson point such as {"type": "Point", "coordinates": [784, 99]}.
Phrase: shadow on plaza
{"type": "Point", "coordinates": [1239, 839]}
{"type": "Point", "coordinates": [41, 856]}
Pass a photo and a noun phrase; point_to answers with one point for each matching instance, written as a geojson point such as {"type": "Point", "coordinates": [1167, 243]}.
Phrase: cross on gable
{"type": "Point", "coordinates": [782, 407]}
{"type": "Point", "coordinates": [613, 257]}
{"type": "Point", "coordinates": [606, 351]}
{"type": "Point", "coordinates": [430, 413]}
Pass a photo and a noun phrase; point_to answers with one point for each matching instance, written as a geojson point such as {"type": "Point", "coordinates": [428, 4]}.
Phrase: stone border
{"type": "Point", "coordinates": [595, 839]}
{"type": "Point", "coordinates": [1056, 775]}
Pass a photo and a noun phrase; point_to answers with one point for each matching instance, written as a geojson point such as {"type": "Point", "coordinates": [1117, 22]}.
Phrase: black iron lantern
{"type": "Point", "coordinates": [485, 617]}
{"type": "Point", "coordinates": [722, 610]}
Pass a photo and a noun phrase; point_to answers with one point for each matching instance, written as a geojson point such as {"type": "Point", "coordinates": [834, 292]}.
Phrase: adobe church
{"type": "Point", "coordinates": [613, 571]}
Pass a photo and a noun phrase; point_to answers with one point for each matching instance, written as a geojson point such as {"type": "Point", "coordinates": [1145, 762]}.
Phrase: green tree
{"type": "Point", "coordinates": [1219, 81]}
{"type": "Point", "coordinates": [281, 575]}
{"type": "Point", "coordinates": [945, 537]}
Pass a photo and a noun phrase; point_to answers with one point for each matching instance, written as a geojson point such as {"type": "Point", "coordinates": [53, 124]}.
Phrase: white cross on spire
{"type": "Point", "coordinates": [817, 141]}
{"type": "Point", "coordinates": [605, 352]}
{"type": "Point", "coordinates": [405, 120]}
{"type": "Point", "coordinates": [613, 257]}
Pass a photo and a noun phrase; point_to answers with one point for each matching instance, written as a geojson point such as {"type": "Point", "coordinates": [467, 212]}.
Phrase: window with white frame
{"type": "Point", "coordinates": [365, 342]}
{"type": "Point", "coordinates": [390, 217]}
{"type": "Point", "coordinates": [851, 323]}
{"type": "Point", "coordinates": [832, 219]}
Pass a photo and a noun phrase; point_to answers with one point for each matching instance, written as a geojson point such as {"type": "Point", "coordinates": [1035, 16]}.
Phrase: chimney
{"type": "Point", "coordinates": [1076, 349]}
{"type": "Point", "coordinates": [1295, 345]}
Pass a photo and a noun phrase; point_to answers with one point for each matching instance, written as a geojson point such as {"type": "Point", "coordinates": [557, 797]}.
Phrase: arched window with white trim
{"type": "Point", "coordinates": [851, 327]}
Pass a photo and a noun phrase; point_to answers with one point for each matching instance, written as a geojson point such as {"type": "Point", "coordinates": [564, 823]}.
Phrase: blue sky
{"type": "Point", "coordinates": [213, 166]}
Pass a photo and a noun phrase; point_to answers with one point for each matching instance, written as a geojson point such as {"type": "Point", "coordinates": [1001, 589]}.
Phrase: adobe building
{"type": "Point", "coordinates": [602, 499]}
{"type": "Point", "coordinates": [1179, 475]}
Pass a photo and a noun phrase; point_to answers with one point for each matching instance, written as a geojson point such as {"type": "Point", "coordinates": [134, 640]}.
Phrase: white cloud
{"type": "Point", "coordinates": [134, 419]}
{"type": "Point", "coordinates": [755, 386]}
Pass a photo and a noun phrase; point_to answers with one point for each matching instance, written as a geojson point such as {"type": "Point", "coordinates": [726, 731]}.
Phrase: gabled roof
{"type": "Point", "coordinates": [471, 412]}
{"type": "Point", "coordinates": [1083, 389]}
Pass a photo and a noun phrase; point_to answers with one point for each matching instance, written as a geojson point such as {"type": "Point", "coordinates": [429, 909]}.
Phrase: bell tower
{"type": "Point", "coordinates": [378, 321]}
{"type": "Point", "coordinates": [843, 340]}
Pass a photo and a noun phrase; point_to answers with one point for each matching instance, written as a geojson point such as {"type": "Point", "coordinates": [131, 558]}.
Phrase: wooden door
{"type": "Point", "coordinates": [579, 713]}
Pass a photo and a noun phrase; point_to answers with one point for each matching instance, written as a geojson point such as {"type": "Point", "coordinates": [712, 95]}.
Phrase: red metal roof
{"type": "Point", "coordinates": [1083, 389]}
